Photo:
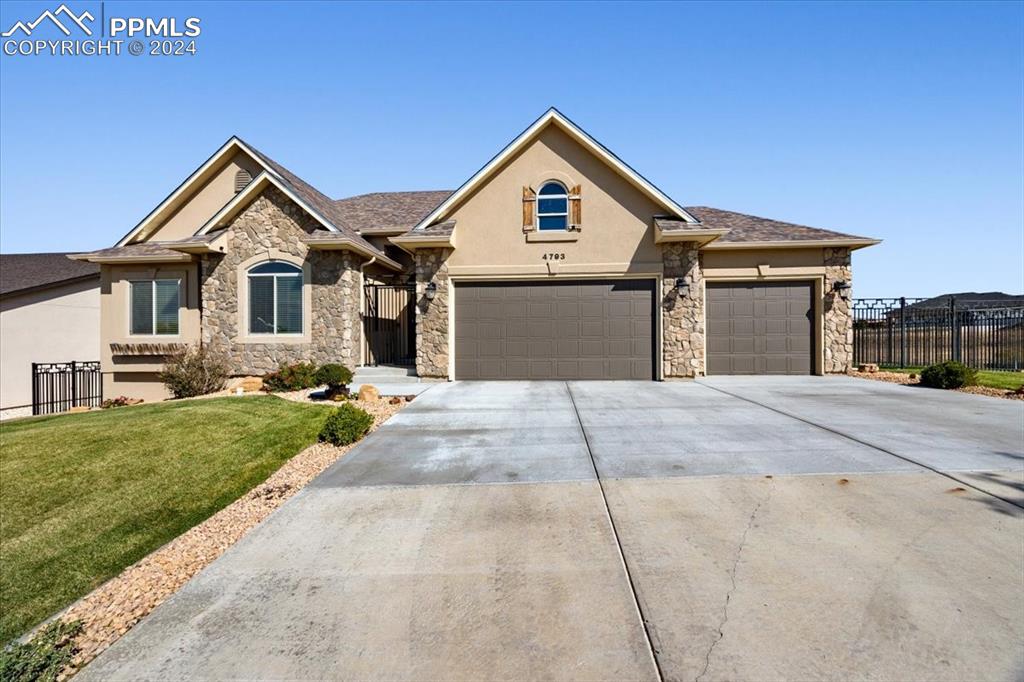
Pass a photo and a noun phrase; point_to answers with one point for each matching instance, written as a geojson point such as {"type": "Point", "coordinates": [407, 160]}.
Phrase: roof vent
{"type": "Point", "coordinates": [242, 178]}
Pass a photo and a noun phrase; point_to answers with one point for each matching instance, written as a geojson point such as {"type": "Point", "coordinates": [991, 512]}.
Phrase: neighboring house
{"type": "Point", "coordinates": [49, 312]}
{"type": "Point", "coordinates": [556, 260]}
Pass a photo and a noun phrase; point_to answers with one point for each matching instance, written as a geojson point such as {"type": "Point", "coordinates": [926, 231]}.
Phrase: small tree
{"type": "Point", "coordinates": [337, 377]}
{"type": "Point", "coordinates": [196, 370]}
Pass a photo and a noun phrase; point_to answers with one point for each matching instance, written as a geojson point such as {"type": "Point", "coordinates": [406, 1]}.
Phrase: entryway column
{"type": "Point", "coordinates": [432, 313]}
{"type": "Point", "coordinates": [683, 320]}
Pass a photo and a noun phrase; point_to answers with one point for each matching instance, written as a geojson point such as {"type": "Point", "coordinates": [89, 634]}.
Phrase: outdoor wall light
{"type": "Point", "coordinates": [431, 291]}
{"type": "Point", "coordinates": [681, 286]}
{"type": "Point", "coordinates": [841, 287]}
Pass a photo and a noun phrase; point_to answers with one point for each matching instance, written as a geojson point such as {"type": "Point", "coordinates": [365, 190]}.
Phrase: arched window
{"type": "Point", "coordinates": [242, 178]}
{"type": "Point", "coordinates": [553, 207]}
{"type": "Point", "coordinates": [275, 298]}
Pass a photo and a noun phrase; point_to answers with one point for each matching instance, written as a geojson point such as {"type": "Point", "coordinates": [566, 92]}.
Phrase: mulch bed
{"type": "Point", "coordinates": [109, 611]}
{"type": "Point", "coordinates": [901, 378]}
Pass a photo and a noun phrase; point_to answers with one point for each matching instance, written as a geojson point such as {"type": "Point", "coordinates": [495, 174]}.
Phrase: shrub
{"type": "Point", "coordinates": [197, 370]}
{"type": "Point", "coordinates": [949, 374]}
{"type": "Point", "coordinates": [294, 377]}
{"type": "Point", "coordinates": [337, 378]}
{"type": "Point", "coordinates": [44, 656]}
{"type": "Point", "coordinates": [347, 424]}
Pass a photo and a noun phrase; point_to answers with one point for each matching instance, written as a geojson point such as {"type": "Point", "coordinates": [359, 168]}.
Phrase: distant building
{"type": "Point", "coordinates": [49, 312]}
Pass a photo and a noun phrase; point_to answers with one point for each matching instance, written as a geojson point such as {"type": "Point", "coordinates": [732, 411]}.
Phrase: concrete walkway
{"type": "Point", "coordinates": [735, 528]}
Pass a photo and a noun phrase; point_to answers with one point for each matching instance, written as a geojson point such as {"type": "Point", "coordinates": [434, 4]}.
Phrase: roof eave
{"type": "Point", "coordinates": [702, 237]}
{"type": "Point", "coordinates": [348, 244]}
{"type": "Point", "coordinates": [852, 244]}
{"type": "Point", "coordinates": [410, 242]}
{"type": "Point", "coordinates": [128, 260]}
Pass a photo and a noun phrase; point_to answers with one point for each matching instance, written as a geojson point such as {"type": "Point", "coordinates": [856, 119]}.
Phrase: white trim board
{"type": "Point", "coordinates": [554, 117]}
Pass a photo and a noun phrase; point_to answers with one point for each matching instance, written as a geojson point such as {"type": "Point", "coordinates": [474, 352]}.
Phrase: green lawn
{"type": "Point", "coordinates": [1008, 381]}
{"type": "Point", "coordinates": [82, 496]}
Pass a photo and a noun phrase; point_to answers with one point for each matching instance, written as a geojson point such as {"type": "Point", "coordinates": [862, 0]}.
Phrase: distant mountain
{"type": "Point", "coordinates": [973, 299]}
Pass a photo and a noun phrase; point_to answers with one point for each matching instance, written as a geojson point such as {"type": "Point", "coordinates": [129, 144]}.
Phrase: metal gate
{"type": "Point", "coordinates": [389, 324]}
{"type": "Point", "coordinates": [59, 386]}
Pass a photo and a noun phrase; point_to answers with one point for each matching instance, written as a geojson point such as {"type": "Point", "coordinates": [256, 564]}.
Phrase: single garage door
{"type": "Point", "coordinates": [555, 330]}
{"type": "Point", "coordinates": [760, 328]}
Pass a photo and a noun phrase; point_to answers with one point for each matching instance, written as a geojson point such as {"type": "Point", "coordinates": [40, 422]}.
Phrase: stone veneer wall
{"type": "Point", "coordinates": [273, 221]}
{"type": "Point", "coordinates": [432, 316]}
{"type": "Point", "coordinates": [683, 322]}
{"type": "Point", "coordinates": [838, 342]}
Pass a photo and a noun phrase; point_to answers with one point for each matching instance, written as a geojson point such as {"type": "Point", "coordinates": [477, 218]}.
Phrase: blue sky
{"type": "Point", "coordinates": [899, 121]}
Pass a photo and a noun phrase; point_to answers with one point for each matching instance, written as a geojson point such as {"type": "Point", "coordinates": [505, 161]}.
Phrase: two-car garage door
{"type": "Point", "coordinates": [585, 329]}
{"type": "Point", "coordinates": [605, 329]}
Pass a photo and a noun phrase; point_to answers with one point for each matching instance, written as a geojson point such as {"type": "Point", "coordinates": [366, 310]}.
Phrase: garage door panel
{"type": "Point", "coordinates": [760, 328]}
{"type": "Point", "coordinates": [557, 330]}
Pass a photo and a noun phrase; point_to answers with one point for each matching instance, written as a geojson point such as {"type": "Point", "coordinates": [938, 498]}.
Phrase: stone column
{"type": "Point", "coordinates": [838, 341]}
{"type": "Point", "coordinates": [683, 320]}
{"type": "Point", "coordinates": [432, 316]}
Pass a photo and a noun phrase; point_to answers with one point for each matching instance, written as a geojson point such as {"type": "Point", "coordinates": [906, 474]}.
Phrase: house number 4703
{"type": "Point", "coordinates": [553, 256]}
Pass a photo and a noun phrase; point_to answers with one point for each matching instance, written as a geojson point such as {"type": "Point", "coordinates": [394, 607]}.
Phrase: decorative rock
{"type": "Point", "coordinates": [395, 401]}
{"type": "Point", "coordinates": [409, 398]}
{"type": "Point", "coordinates": [251, 384]}
{"type": "Point", "coordinates": [368, 392]}
{"type": "Point", "coordinates": [868, 367]}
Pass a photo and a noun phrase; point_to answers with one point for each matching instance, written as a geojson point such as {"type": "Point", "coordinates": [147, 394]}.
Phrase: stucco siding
{"type": "Point", "coordinates": [617, 226]}
{"type": "Point", "coordinates": [204, 201]}
{"type": "Point", "coordinates": [58, 324]}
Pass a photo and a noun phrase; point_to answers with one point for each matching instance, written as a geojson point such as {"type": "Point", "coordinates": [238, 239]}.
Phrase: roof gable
{"type": "Point", "coordinates": [314, 202]}
{"type": "Point", "coordinates": [553, 117]}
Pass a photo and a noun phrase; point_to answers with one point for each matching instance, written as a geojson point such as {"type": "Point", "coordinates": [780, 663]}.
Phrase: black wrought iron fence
{"type": "Point", "coordinates": [908, 332]}
{"type": "Point", "coordinates": [59, 386]}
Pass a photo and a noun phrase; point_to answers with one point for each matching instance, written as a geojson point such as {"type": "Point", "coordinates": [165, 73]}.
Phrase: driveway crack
{"type": "Point", "coordinates": [732, 580]}
{"type": "Point", "coordinates": [645, 624]}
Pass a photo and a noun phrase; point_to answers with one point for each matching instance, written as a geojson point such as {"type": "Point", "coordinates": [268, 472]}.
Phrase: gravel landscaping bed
{"type": "Point", "coordinates": [109, 611]}
{"type": "Point", "coordinates": [903, 378]}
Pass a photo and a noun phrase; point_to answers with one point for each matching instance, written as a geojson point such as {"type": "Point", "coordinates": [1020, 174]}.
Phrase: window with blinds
{"type": "Point", "coordinates": [275, 298]}
{"type": "Point", "coordinates": [154, 307]}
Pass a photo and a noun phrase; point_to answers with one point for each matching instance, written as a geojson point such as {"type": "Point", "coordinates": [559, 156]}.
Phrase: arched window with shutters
{"type": "Point", "coordinates": [242, 178]}
{"type": "Point", "coordinates": [553, 207]}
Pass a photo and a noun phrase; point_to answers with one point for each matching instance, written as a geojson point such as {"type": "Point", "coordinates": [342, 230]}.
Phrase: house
{"type": "Point", "coordinates": [555, 260]}
{"type": "Point", "coordinates": [49, 312]}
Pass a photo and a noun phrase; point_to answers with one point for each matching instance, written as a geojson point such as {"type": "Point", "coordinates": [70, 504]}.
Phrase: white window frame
{"type": "Point", "coordinates": [302, 304]}
{"type": "Point", "coordinates": [152, 312]}
{"type": "Point", "coordinates": [564, 195]}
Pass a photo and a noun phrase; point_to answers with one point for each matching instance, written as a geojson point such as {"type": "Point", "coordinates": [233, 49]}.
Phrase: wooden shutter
{"type": "Point", "coordinates": [575, 208]}
{"type": "Point", "coordinates": [529, 202]}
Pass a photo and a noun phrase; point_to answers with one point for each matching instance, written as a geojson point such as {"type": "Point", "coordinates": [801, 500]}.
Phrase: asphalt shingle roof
{"type": "Point", "coordinates": [316, 199]}
{"type": "Point", "coordinates": [388, 211]}
{"type": "Point", "coordinates": [749, 228]}
{"type": "Point", "coordinates": [22, 271]}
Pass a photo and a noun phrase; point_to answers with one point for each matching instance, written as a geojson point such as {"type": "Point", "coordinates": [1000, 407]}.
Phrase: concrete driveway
{"type": "Point", "coordinates": [732, 528]}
